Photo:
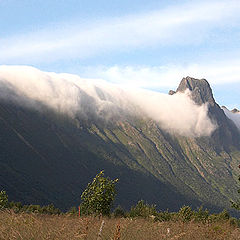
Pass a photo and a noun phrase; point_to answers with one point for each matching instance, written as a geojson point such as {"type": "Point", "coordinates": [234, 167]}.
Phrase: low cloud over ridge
{"type": "Point", "coordinates": [88, 98]}
{"type": "Point", "coordinates": [235, 117]}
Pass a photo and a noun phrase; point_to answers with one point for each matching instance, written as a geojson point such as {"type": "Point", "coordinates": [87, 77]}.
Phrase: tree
{"type": "Point", "coordinates": [99, 195]}
{"type": "Point", "coordinates": [3, 199]}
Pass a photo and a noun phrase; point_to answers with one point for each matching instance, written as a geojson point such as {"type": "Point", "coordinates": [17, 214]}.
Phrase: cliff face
{"type": "Point", "coordinates": [201, 91]}
{"type": "Point", "coordinates": [226, 133]}
{"type": "Point", "coordinates": [47, 157]}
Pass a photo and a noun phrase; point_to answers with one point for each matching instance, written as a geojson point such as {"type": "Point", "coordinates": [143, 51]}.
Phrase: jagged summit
{"type": "Point", "coordinates": [201, 92]}
{"type": "Point", "coordinates": [200, 88]}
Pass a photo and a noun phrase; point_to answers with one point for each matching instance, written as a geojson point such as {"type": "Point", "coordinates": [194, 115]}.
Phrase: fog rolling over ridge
{"type": "Point", "coordinates": [93, 98]}
{"type": "Point", "coordinates": [235, 117]}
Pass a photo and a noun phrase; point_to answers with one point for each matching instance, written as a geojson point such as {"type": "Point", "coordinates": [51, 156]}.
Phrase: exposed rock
{"type": "Point", "coordinates": [201, 92]}
{"type": "Point", "coordinates": [200, 88]}
{"type": "Point", "coordinates": [171, 92]}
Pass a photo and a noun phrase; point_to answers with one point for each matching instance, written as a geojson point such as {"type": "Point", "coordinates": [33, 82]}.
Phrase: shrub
{"type": "Point", "coordinates": [234, 222]}
{"type": "Point", "coordinates": [72, 211]}
{"type": "Point", "coordinates": [201, 215]}
{"type": "Point", "coordinates": [222, 216]}
{"type": "Point", "coordinates": [15, 206]}
{"type": "Point", "coordinates": [119, 212]}
{"type": "Point", "coordinates": [185, 213]}
{"type": "Point", "coordinates": [3, 200]}
{"type": "Point", "coordinates": [143, 210]}
{"type": "Point", "coordinates": [50, 209]}
{"type": "Point", "coordinates": [164, 216]}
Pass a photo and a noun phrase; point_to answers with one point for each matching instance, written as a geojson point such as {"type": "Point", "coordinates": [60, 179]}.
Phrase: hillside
{"type": "Point", "coordinates": [47, 156]}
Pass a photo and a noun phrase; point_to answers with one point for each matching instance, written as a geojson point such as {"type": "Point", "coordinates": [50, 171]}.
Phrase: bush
{"type": "Point", "coordinates": [50, 209]}
{"type": "Point", "coordinates": [234, 222]}
{"type": "Point", "coordinates": [119, 212]}
{"type": "Point", "coordinates": [143, 210]}
{"type": "Point", "coordinates": [15, 206]}
{"type": "Point", "coordinates": [164, 216]}
{"type": "Point", "coordinates": [3, 200]}
{"type": "Point", "coordinates": [72, 211]}
{"type": "Point", "coordinates": [185, 214]}
{"type": "Point", "coordinates": [222, 216]}
{"type": "Point", "coordinates": [201, 215]}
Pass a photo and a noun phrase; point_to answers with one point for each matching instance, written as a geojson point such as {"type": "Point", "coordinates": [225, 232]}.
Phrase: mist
{"type": "Point", "coordinates": [97, 99]}
{"type": "Point", "coordinates": [235, 117]}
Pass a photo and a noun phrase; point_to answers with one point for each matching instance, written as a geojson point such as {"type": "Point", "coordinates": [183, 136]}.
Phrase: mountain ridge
{"type": "Point", "coordinates": [50, 157]}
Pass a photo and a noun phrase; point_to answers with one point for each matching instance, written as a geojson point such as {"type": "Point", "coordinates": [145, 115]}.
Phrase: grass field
{"type": "Point", "coordinates": [57, 227]}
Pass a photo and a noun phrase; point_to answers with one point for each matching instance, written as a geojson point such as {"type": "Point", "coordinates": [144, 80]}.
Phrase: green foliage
{"type": "Point", "coordinates": [99, 195]}
{"type": "Point", "coordinates": [143, 210]}
{"type": "Point", "coordinates": [3, 200]}
{"type": "Point", "coordinates": [16, 206]}
{"type": "Point", "coordinates": [164, 216]}
{"type": "Point", "coordinates": [220, 217]}
{"type": "Point", "coordinates": [185, 213]}
{"type": "Point", "coordinates": [236, 204]}
{"type": "Point", "coordinates": [119, 212]}
{"type": "Point", "coordinates": [234, 222]}
{"type": "Point", "coordinates": [50, 209]}
{"type": "Point", "coordinates": [19, 207]}
{"type": "Point", "coordinates": [73, 211]}
{"type": "Point", "coordinates": [201, 215]}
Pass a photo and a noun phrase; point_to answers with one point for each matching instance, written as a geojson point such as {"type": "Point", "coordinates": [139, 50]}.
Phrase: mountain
{"type": "Point", "coordinates": [48, 156]}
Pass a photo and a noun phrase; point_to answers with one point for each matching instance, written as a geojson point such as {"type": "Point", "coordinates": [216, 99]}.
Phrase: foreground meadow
{"type": "Point", "coordinates": [40, 226]}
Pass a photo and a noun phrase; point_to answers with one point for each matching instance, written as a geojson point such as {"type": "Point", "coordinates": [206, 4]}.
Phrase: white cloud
{"type": "Point", "coordinates": [91, 98]}
{"type": "Point", "coordinates": [221, 72]}
{"type": "Point", "coordinates": [188, 23]}
{"type": "Point", "coordinates": [235, 117]}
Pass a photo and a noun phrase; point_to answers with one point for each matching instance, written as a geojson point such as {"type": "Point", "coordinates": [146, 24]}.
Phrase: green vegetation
{"type": "Point", "coordinates": [143, 221]}
{"type": "Point", "coordinates": [143, 210]}
{"type": "Point", "coordinates": [188, 171]}
{"type": "Point", "coordinates": [3, 199]}
{"type": "Point", "coordinates": [236, 204]}
{"type": "Point", "coordinates": [99, 195]}
{"type": "Point", "coordinates": [18, 207]}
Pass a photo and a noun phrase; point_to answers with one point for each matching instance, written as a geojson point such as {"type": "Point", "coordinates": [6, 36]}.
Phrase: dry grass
{"type": "Point", "coordinates": [31, 227]}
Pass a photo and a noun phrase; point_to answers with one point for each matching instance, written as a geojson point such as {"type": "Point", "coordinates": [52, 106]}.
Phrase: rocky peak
{"type": "Point", "coordinates": [226, 134]}
{"type": "Point", "coordinates": [200, 89]}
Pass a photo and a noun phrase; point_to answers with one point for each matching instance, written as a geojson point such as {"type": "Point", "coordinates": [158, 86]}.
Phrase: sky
{"type": "Point", "coordinates": [143, 43]}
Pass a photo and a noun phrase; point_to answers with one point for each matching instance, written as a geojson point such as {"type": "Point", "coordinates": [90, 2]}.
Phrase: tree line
{"type": "Point", "coordinates": [98, 197]}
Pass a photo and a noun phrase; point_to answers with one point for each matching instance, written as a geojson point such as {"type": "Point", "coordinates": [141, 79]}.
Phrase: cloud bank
{"type": "Point", "coordinates": [95, 98]}
{"type": "Point", "coordinates": [235, 117]}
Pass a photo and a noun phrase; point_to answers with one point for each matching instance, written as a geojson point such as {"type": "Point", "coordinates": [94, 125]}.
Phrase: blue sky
{"type": "Point", "coordinates": [150, 44]}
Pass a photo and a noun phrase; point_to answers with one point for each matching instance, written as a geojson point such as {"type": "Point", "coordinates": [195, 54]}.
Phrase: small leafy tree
{"type": "Point", "coordinates": [3, 199]}
{"type": "Point", "coordinates": [99, 195]}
